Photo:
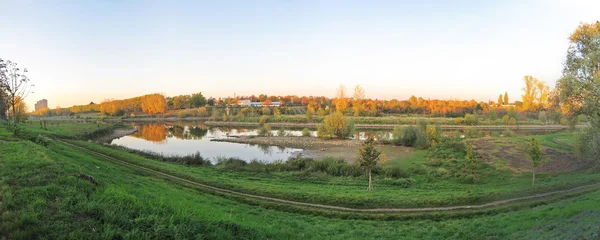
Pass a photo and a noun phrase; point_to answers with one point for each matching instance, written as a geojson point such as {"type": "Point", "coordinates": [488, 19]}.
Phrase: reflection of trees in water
{"type": "Point", "coordinates": [178, 132]}
{"type": "Point", "coordinates": [153, 132]}
{"type": "Point", "coordinates": [281, 149]}
{"type": "Point", "coordinates": [266, 149]}
{"type": "Point", "coordinates": [198, 132]}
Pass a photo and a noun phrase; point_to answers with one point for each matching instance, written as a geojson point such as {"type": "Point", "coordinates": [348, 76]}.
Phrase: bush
{"type": "Point", "coordinates": [299, 163]}
{"type": "Point", "coordinates": [421, 139]}
{"type": "Point", "coordinates": [281, 132]}
{"type": "Point", "coordinates": [448, 148]}
{"type": "Point", "coordinates": [512, 121]}
{"type": "Point", "coordinates": [472, 132]}
{"type": "Point", "coordinates": [467, 178]}
{"type": "Point", "coordinates": [262, 120]}
{"type": "Point", "coordinates": [470, 119]}
{"type": "Point", "coordinates": [305, 132]}
{"type": "Point", "coordinates": [202, 112]}
{"type": "Point", "coordinates": [508, 133]}
{"type": "Point", "coordinates": [336, 167]}
{"type": "Point", "coordinates": [265, 130]}
{"type": "Point", "coordinates": [394, 172]}
{"type": "Point", "coordinates": [402, 182]}
{"type": "Point", "coordinates": [336, 125]}
{"type": "Point", "coordinates": [266, 111]}
{"type": "Point", "coordinates": [234, 164]}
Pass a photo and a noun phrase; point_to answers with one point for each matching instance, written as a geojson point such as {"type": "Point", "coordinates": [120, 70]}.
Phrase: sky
{"type": "Point", "coordinates": [82, 51]}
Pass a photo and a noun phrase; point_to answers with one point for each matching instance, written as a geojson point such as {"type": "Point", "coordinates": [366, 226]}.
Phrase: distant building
{"type": "Point", "coordinates": [41, 104]}
{"type": "Point", "coordinates": [244, 103]}
{"type": "Point", "coordinates": [248, 103]}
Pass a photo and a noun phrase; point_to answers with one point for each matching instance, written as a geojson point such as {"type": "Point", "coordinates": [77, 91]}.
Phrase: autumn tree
{"type": "Point", "coordinates": [368, 158]}
{"type": "Point", "coordinates": [16, 84]}
{"type": "Point", "coordinates": [357, 100]}
{"type": "Point", "coordinates": [536, 156]}
{"type": "Point", "coordinates": [506, 98]}
{"type": "Point", "coordinates": [18, 111]}
{"type": "Point", "coordinates": [536, 94]}
{"type": "Point", "coordinates": [154, 104]}
{"type": "Point", "coordinates": [341, 101]}
{"type": "Point", "coordinates": [500, 102]}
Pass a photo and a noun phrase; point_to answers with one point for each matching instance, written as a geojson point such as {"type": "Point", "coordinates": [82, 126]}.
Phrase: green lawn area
{"type": "Point", "coordinates": [349, 191]}
{"type": "Point", "coordinates": [43, 197]}
{"type": "Point", "coordinates": [62, 128]}
{"type": "Point", "coordinates": [412, 159]}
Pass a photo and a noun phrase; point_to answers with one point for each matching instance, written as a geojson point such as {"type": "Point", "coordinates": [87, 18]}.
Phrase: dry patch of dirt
{"type": "Point", "coordinates": [513, 155]}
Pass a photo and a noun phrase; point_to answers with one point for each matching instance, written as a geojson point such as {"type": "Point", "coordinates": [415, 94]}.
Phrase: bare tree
{"type": "Point", "coordinates": [14, 82]}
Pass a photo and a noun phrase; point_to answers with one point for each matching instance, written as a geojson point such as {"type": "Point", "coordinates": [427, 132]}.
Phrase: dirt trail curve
{"type": "Point", "coordinates": [331, 207]}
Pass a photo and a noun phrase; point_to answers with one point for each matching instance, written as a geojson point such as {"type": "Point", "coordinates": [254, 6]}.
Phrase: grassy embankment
{"type": "Point", "coordinates": [432, 187]}
{"type": "Point", "coordinates": [42, 197]}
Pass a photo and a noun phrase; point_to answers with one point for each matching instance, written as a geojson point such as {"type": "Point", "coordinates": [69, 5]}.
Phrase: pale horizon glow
{"type": "Point", "coordinates": [82, 51]}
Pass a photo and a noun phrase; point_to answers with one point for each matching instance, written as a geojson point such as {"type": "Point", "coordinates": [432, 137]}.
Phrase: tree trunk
{"type": "Point", "coordinates": [370, 182]}
{"type": "Point", "coordinates": [533, 180]}
{"type": "Point", "coordinates": [14, 115]}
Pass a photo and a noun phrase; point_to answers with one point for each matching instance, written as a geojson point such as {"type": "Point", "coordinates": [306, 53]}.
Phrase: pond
{"type": "Point", "coordinates": [189, 138]}
{"type": "Point", "coordinates": [184, 138]}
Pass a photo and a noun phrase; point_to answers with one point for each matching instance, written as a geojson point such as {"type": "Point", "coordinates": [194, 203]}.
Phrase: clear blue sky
{"type": "Point", "coordinates": [82, 51]}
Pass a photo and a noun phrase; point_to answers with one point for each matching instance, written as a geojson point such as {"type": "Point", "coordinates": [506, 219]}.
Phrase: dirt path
{"type": "Point", "coordinates": [331, 207]}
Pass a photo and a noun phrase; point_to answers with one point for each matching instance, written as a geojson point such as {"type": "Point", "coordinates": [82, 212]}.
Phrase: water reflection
{"type": "Point", "coordinates": [153, 132]}
{"type": "Point", "coordinates": [184, 138]}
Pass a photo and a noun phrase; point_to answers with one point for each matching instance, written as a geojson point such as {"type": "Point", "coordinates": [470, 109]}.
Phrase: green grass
{"type": "Point", "coordinates": [63, 128]}
{"type": "Point", "coordinates": [347, 191]}
{"type": "Point", "coordinates": [413, 159]}
{"type": "Point", "coordinates": [42, 199]}
{"type": "Point", "coordinates": [563, 140]}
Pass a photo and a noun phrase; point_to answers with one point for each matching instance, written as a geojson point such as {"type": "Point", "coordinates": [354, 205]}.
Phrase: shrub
{"type": "Point", "coordinates": [508, 133]}
{"type": "Point", "coordinates": [467, 178]}
{"type": "Point", "coordinates": [265, 130]}
{"type": "Point", "coordinates": [512, 121]}
{"type": "Point", "coordinates": [472, 132]}
{"type": "Point", "coordinates": [405, 136]}
{"type": "Point", "coordinates": [448, 148]}
{"type": "Point", "coordinates": [234, 164]}
{"type": "Point", "coordinates": [470, 119]}
{"type": "Point", "coordinates": [299, 163]}
{"type": "Point", "coordinates": [281, 132]}
{"type": "Point", "coordinates": [433, 134]}
{"type": "Point", "coordinates": [262, 120]}
{"type": "Point", "coordinates": [335, 167]}
{"type": "Point", "coordinates": [336, 125]}
{"type": "Point", "coordinates": [202, 112]}
{"type": "Point", "coordinates": [402, 182]}
{"type": "Point", "coordinates": [394, 172]}
{"type": "Point", "coordinates": [266, 111]}
{"type": "Point", "coordinates": [421, 139]}
{"type": "Point", "coordinates": [305, 132]}
{"type": "Point", "coordinates": [458, 120]}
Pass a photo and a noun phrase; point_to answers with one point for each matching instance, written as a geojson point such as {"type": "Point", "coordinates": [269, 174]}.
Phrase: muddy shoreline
{"type": "Point", "coordinates": [307, 143]}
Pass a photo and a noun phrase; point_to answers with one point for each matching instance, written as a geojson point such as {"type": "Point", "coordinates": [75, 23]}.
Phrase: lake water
{"type": "Point", "coordinates": [184, 138]}
{"type": "Point", "coordinates": [189, 138]}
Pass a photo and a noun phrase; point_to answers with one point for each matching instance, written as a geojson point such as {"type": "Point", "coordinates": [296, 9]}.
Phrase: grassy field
{"type": "Point", "coordinates": [43, 196]}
